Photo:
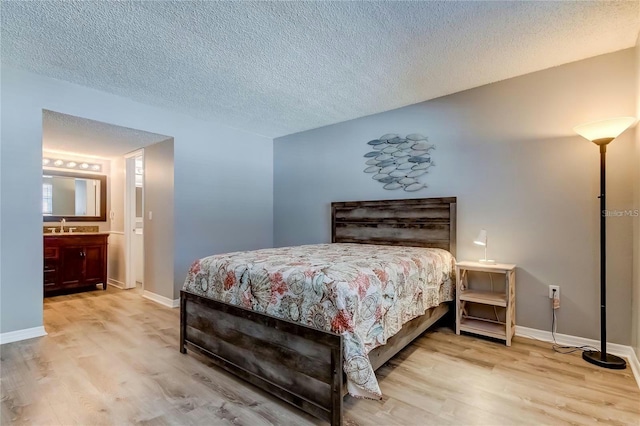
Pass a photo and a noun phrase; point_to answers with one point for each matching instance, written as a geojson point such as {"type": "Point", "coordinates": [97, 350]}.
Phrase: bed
{"type": "Point", "coordinates": [311, 323]}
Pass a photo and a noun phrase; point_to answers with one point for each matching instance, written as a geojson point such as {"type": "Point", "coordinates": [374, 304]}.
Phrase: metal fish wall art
{"type": "Point", "coordinates": [399, 162]}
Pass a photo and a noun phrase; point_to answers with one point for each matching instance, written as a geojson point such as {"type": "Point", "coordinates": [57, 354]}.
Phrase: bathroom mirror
{"type": "Point", "coordinates": [76, 197]}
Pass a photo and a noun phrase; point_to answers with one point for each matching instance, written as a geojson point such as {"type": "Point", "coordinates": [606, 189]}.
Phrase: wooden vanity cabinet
{"type": "Point", "coordinates": [75, 262]}
{"type": "Point", "coordinates": [50, 267]}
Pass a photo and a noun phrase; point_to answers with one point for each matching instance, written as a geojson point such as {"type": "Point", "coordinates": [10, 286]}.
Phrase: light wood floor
{"type": "Point", "coordinates": [112, 358]}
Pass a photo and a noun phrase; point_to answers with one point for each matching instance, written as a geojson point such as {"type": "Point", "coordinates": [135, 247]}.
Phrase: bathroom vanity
{"type": "Point", "coordinates": [75, 261]}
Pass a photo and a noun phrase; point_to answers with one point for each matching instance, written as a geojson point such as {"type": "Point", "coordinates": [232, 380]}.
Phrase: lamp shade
{"type": "Point", "coordinates": [604, 130]}
{"type": "Point", "coordinates": [481, 239]}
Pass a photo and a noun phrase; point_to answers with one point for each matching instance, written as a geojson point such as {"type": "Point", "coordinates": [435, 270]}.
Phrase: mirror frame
{"type": "Point", "coordinates": [103, 197]}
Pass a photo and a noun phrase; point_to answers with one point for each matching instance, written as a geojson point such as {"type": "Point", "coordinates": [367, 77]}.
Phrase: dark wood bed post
{"type": "Point", "coordinates": [337, 385]}
{"type": "Point", "coordinates": [183, 321]}
{"type": "Point", "coordinates": [453, 225]}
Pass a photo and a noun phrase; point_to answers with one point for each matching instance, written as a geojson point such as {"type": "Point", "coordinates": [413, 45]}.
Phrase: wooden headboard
{"type": "Point", "coordinates": [418, 222]}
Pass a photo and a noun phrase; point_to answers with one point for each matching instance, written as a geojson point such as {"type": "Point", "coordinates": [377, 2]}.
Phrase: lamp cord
{"type": "Point", "coordinates": [560, 348]}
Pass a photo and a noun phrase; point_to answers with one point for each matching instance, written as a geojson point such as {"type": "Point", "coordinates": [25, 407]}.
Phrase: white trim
{"type": "Point", "coordinates": [129, 216]}
{"type": "Point", "coordinates": [568, 340]}
{"type": "Point", "coordinates": [129, 168]}
{"type": "Point", "coordinates": [24, 334]}
{"type": "Point", "coordinates": [635, 365]}
{"type": "Point", "coordinates": [165, 301]}
{"type": "Point", "coordinates": [117, 232]}
{"type": "Point", "coordinates": [115, 283]}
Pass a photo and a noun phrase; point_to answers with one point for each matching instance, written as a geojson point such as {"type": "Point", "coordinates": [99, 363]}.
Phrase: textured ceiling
{"type": "Point", "coordinates": [276, 68]}
{"type": "Point", "coordinates": [62, 132]}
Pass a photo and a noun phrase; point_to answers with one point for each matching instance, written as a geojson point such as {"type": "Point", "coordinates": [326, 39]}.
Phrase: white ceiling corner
{"type": "Point", "coordinates": [276, 68]}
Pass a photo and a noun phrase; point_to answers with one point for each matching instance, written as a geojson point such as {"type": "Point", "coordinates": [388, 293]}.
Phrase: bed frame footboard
{"type": "Point", "coordinates": [298, 364]}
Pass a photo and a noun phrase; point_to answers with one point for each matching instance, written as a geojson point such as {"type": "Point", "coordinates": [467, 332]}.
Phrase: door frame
{"type": "Point", "coordinates": [130, 215]}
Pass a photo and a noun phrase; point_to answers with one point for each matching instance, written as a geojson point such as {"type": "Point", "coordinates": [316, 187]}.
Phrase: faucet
{"type": "Point", "coordinates": [62, 222]}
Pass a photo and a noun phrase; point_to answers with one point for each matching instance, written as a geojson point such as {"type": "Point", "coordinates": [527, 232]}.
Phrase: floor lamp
{"type": "Point", "coordinates": [602, 133]}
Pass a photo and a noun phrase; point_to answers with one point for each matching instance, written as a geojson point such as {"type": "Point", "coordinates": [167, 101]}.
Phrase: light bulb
{"type": "Point", "coordinates": [45, 161]}
{"type": "Point", "coordinates": [84, 165]}
{"type": "Point", "coordinates": [71, 164]}
{"type": "Point", "coordinates": [58, 163]}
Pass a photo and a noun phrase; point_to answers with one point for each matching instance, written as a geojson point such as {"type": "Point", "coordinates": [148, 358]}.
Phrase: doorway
{"type": "Point", "coordinates": [121, 157]}
{"type": "Point", "coordinates": [134, 220]}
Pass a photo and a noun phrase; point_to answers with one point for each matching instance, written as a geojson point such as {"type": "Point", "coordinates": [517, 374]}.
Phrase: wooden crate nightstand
{"type": "Point", "coordinates": [507, 300]}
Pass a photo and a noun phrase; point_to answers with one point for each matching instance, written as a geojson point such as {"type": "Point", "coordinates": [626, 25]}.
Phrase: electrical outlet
{"type": "Point", "coordinates": [557, 291]}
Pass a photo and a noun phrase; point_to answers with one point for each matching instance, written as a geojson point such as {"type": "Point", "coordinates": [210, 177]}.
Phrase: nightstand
{"type": "Point", "coordinates": [503, 299]}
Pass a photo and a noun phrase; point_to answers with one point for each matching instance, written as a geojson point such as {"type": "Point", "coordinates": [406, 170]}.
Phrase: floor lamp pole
{"type": "Point", "coordinates": [601, 133]}
{"type": "Point", "coordinates": [603, 253]}
{"type": "Point", "coordinates": [602, 358]}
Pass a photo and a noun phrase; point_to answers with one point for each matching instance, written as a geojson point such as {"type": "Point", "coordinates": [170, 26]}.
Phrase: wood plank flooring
{"type": "Point", "coordinates": [112, 358]}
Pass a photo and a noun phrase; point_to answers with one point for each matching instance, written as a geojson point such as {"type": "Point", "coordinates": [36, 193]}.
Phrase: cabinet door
{"type": "Point", "coordinates": [71, 267]}
{"type": "Point", "coordinates": [50, 274]}
{"type": "Point", "coordinates": [94, 264]}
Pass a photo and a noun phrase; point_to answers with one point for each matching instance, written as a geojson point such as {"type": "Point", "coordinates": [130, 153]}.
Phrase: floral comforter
{"type": "Point", "coordinates": [364, 292]}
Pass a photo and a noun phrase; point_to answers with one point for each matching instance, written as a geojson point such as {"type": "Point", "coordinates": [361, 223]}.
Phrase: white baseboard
{"type": "Point", "coordinates": [116, 283]}
{"type": "Point", "coordinates": [27, 333]}
{"type": "Point", "coordinates": [635, 365]}
{"type": "Point", "coordinates": [165, 301]}
{"type": "Point", "coordinates": [568, 340]}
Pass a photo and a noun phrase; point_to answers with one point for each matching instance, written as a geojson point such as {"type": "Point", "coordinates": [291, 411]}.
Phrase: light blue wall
{"type": "Point", "coordinates": [507, 151]}
{"type": "Point", "coordinates": [223, 183]}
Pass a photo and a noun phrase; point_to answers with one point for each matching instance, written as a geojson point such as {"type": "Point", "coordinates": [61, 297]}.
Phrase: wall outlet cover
{"type": "Point", "coordinates": [554, 287]}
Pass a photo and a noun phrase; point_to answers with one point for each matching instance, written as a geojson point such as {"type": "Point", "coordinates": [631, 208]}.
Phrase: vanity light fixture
{"type": "Point", "coordinates": [68, 164]}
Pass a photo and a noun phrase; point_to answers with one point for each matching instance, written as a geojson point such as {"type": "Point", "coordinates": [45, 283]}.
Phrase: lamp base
{"type": "Point", "coordinates": [611, 361]}
{"type": "Point", "coordinates": [487, 261]}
